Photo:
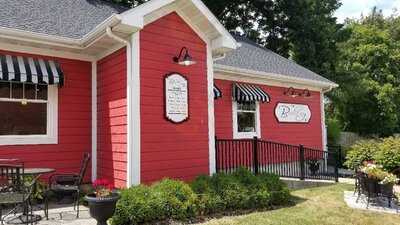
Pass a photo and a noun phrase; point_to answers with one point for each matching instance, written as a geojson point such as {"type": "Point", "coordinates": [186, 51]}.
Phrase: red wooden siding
{"type": "Point", "coordinates": [309, 135]}
{"type": "Point", "coordinates": [170, 150]}
{"type": "Point", "coordinates": [74, 115]}
{"type": "Point", "coordinates": [112, 118]}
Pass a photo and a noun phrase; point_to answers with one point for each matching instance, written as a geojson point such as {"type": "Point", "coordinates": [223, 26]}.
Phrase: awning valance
{"type": "Point", "coordinates": [217, 92]}
{"type": "Point", "coordinates": [30, 70]}
{"type": "Point", "coordinates": [249, 93]}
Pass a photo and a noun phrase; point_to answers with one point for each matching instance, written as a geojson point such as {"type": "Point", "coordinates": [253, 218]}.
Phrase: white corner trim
{"type": "Point", "coordinates": [257, 76]}
{"type": "Point", "coordinates": [238, 135]}
{"type": "Point", "coordinates": [94, 120]}
{"type": "Point", "coordinates": [323, 123]}
{"type": "Point", "coordinates": [211, 111]}
{"type": "Point", "coordinates": [134, 124]}
{"type": "Point", "coordinates": [52, 125]}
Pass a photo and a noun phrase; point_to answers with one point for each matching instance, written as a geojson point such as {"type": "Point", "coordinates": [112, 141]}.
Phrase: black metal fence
{"type": "Point", "coordinates": [270, 157]}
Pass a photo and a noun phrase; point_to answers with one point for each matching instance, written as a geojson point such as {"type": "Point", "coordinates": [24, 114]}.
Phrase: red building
{"type": "Point", "coordinates": [89, 76]}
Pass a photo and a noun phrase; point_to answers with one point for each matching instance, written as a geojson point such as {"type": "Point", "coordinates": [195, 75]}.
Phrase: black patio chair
{"type": "Point", "coordinates": [367, 187]}
{"type": "Point", "coordinates": [61, 184]}
{"type": "Point", "coordinates": [15, 192]}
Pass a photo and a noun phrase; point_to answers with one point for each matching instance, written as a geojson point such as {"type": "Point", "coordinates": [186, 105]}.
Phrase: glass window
{"type": "Point", "coordinates": [23, 109]}
{"type": "Point", "coordinates": [19, 119]}
{"type": "Point", "coordinates": [246, 116]}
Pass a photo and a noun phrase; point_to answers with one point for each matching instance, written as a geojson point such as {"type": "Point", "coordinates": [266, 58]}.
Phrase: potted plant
{"type": "Point", "coordinates": [387, 184]}
{"type": "Point", "coordinates": [103, 201]}
{"type": "Point", "coordinates": [313, 166]}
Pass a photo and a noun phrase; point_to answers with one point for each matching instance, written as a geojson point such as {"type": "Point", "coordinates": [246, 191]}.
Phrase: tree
{"type": "Point", "coordinates": [368, 70]}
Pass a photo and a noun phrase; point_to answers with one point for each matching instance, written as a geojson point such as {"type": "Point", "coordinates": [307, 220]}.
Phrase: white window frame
{"type": "Point", "coordinates": [52, 123]}
{"type": "Point", "coordinates": [245, 135]}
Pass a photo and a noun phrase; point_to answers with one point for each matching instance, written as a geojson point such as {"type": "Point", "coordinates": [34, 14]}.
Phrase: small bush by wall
{"type": "Point", "coordinates": [170, 199]}
{"type": "Point", "coordinates": [385, 152]}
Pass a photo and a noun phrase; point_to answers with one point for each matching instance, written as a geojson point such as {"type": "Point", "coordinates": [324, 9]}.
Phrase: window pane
{"type": "Point", "coordinates": [247, 106]}
{"type": "Point", "coordinates": [41, 92]}
{"type": "Point", "coordinates": [17, 90]}
{"type": "Point", "coordinates": [5, 89]}
{"type": "Point", "coordinates": [18, 119]}
{"type": "Point", "coordinates": [246, 122]}
{"type": "Point", "coordinates": [30, 91]}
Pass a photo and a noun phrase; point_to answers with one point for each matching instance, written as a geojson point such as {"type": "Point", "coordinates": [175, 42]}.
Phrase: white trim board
{"type": "Point", "coordinates": [94, 120]}
{"type": "Point", "coordinates": [237, 74]}
{"type": "Point", "coordinates": [238, 135]}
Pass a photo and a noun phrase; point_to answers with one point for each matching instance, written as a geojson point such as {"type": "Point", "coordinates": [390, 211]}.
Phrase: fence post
{"type": "Point", "coordinates": [255, 155]}
{"type": "Point", "coordinates": [302, 163]}
{"type": "Point", "coordinates": [338, 156]}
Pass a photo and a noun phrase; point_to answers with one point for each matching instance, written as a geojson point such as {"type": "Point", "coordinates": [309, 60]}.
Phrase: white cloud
{"type": "Point", "coordinates": [354, 8]}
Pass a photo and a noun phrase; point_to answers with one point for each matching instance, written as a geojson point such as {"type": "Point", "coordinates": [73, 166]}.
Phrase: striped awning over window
{"type": "Point", "coordinates": [249, 93]}
{"type": "Point", "coordinates": [30, 70]}
{"type": "Point", "coordinates": [217, 92]}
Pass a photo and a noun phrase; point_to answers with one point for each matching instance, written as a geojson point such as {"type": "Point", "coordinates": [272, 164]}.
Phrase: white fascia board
{"type": "Point", "coordinates": [276, 77]}
{"type": "Point", "coordinates": [135, 18]}
{"type": "Point", "coordinates": [53, 40]}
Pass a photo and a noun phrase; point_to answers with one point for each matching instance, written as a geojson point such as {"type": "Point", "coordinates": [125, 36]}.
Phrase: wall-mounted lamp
{"type": "Point", "coordinates": [184, 58]}
{"type": "Point", "coordinates": [291, 92]}
{"type": "Point", "coordinates": [306, 93]}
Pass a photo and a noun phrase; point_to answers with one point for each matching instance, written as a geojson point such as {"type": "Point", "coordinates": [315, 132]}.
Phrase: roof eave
{"type": "Point", "coordinates": [324, 86]}
{"type": "Point", "coordinates": [53, 40]}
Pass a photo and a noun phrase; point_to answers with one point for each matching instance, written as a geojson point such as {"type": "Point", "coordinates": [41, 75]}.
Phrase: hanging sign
{"type": "Point", "coordinates": [176, 98]}
{"type": "Point", "coordinates": [292, 113]}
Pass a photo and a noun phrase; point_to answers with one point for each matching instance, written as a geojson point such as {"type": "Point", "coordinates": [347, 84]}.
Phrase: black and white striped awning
{"type": "Point", "coordinates": [30, 70]}
{"type": "Point", "coordinates": [217, 92]}
{"type": "Point", "coordinates": [249, 93]}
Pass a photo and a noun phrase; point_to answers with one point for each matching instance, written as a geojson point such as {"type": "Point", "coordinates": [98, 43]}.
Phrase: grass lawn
{"type": "Point", "coordinates": [314, 206]}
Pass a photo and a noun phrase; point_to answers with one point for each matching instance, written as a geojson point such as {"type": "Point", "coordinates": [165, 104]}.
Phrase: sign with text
{"type": "Point", "coordinates": [292, 113]}
{"type": "Point", "coordinates": [176, 98]}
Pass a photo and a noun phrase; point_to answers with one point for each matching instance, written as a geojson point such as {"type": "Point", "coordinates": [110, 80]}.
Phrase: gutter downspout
{"type": "Point", "coordinates": [129, 141]}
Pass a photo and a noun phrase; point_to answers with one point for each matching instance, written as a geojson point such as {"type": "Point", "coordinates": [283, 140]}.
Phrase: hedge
{"type": "Point", "coordinates": [385, 152]}
{"type": "Point", "coordinates": [171, 199]}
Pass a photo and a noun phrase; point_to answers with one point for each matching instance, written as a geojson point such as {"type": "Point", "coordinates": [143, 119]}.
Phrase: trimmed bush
{"type": "Point", "coordinates": [170, 199]}
{"type": "Point", "coordinates": [385, 152]}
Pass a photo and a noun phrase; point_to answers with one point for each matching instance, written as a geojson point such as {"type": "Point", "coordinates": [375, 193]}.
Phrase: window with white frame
{"type": "Point", "coordinates": [28, 113]}
{"type": "Point", "coordinates": [246, 119]}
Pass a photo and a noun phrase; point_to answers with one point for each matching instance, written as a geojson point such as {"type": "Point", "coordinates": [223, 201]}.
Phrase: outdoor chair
{"type": "Point", "coordinates": [14, 193]}
{"type": "Point", "coordinates": [367, 187]}
{"type": "Point", "coordinates": [67, 183]}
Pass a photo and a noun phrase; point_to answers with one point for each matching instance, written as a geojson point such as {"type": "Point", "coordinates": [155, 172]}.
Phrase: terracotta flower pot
{"type": "Point", "coordinates": [102, 209]}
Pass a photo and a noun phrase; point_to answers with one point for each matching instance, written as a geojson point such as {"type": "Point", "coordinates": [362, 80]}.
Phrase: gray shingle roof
{"type": "Point", "coordinates": [250, 56]}
{"type": "Point", "coordinates": [65, 18]}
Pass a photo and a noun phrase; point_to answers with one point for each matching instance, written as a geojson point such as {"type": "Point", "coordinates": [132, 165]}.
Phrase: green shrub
{"type": "Point", "coordinates": [170, 199]}
{"type": "Point", "coordinates": [333, 131]}
{"type": "Point", "coordinates": [362, 151]}
{"type": "Point", "coordinates": [388, 154]}
{"type": "Point", "coordinates": [138, 205]}
{"type": "Point", "coordinates": [385, 152]}
{"type": "Point", "coordinates": [178, 199]}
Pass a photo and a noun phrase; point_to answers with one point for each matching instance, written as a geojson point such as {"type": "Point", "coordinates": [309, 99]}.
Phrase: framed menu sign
{"type": "Point", "coordinates": [176, 90]}
{"type": "Point", "coordinates": [292, 113]}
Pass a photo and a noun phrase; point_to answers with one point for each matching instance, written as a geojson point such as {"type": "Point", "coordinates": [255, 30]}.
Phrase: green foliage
{"type": "Point", "coordinates": [178, 199]}
{"type": "Point", "coordinates": [170, 199]}
{"type": "Point", "coordinates": [333, 129]}
{"type": "Point", "coordinates": [368, 71]}
{"type": "Point", "coordinates": [361, 152]}
{"type": "Point", "coordinates": [385, 152]}
{"type": "Point", "coordinates": [388, 154]}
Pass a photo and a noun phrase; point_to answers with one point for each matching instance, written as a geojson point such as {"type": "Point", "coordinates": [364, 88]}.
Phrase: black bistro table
{"type": "Point", "coordinates": [31, 218]}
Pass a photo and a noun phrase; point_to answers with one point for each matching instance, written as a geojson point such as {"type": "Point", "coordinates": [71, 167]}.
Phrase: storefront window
{"type": "Point", "coordinates": [246, 120]}
{"type": "Point", "coordinates": [28, 113]}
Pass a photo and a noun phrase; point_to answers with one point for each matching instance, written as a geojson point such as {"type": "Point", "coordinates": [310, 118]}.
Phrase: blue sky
{"type": "Point", "coordinates": [354, 8]}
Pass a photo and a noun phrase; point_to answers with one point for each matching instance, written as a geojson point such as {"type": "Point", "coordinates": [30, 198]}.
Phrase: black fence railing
{"type": "Point", "coordinates": [270, 157]}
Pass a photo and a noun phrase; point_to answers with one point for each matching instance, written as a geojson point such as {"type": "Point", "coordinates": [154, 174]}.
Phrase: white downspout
{"type": "Point", "coordinates": [129, 141]}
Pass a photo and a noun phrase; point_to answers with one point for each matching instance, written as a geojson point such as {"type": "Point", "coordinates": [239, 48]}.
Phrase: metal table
{"type": "Point", "coordinates": [32, 218]}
